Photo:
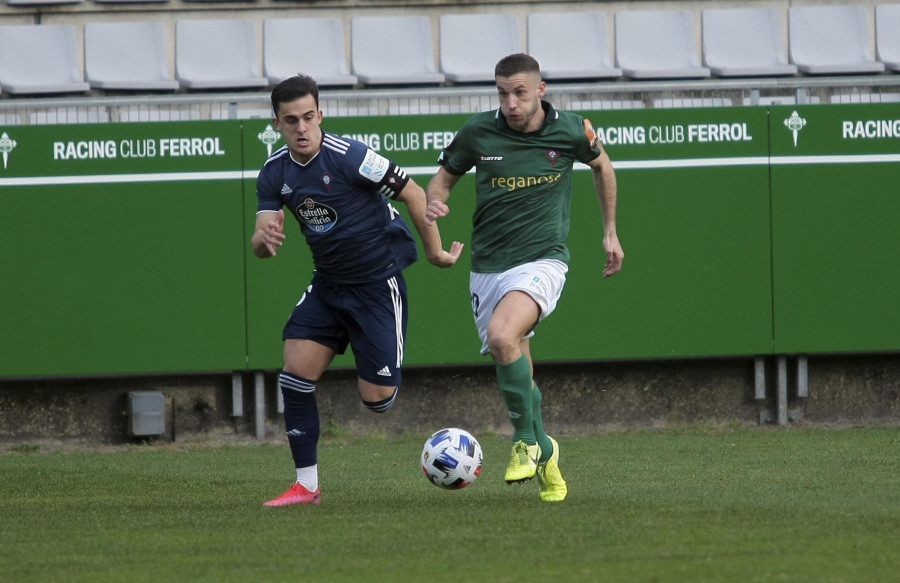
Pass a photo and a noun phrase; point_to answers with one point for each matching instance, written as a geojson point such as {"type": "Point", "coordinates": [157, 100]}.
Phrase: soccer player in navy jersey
{"type": "Point", "coordinates": [338, 189]}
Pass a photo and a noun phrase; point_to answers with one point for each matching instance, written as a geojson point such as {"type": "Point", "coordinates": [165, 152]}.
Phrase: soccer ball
{"type": "Point", "coordinates": [451, 458]}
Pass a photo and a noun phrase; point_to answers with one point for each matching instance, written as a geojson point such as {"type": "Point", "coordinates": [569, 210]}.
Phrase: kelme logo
{"type": "Point", "coordinates": [268, 137]}
{"type": "Point", "coordinates": [795, 123]}
{"type": "Point", "coordinates": [7, 145]}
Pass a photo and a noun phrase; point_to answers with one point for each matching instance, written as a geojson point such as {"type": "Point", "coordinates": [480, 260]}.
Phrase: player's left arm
{"type": "Point", "coordinates": [605, 183]}
{"type": "Point", "coordinates": [414, 197]}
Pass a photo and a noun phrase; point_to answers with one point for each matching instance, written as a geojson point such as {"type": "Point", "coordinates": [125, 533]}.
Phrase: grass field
{"type": "Point", "coordinates": [800, 504]}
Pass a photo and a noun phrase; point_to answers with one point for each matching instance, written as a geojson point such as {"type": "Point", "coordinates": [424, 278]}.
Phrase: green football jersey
{"type": "Point", "coordinates": [523, 185]}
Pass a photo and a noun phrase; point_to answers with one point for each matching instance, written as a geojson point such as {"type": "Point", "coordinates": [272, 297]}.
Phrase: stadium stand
{"type": "Point", "coordinates": [657, 44]}
{"type": "Point", "coordinates": [393, 50]}
{"type": "Point", "coordinates": [390, 60]}
{"type": "Point", "coordinates": [40, 58]}
{"type": "Point", "coordinates": [217, 54]}
{"type": "Point", "coordinates": [471, 44]}
{"type": "Point", "coordinates": [327, 64]}
{"type": "Point", "coordinates": [887, 35]}
{"type": "Point", "coordinates": [744, 42]}
{"type": "Point", "coordinates": [829, 40]}
{"type": "Point", "coordinates": [127, 56]}
{"type": "Point", "coordinates": [571, 45]}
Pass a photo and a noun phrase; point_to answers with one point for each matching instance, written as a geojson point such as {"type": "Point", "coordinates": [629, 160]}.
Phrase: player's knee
{"type": "Point", "coordinates": [383, 405]}
{"type": "Point", "coordinates": [502, 344]}
{"type": "Point", "coordinates": [290, 382]}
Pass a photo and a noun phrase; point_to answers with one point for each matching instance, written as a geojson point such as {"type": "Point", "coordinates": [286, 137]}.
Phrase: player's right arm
{"type": "Point", "coordinates": [268, 234]}
{"type": "Point", "coordinates": [437, 194]}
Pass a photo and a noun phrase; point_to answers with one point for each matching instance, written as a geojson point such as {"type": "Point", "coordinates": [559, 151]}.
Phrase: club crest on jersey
{"type": "Point", "coordinates": [326, 179]}
{"type": "Point", "coordinates": [317, 216]}
{"type": "Point", "coordinates": [552, 155]}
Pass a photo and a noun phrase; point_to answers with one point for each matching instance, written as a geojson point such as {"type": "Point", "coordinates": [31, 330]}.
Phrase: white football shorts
{"type": "Point", "coordinates": [543, 280]}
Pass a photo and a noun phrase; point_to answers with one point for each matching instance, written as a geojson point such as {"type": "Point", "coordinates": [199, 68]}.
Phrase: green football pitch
{"type": "Point", "coordinates": [735, 505]}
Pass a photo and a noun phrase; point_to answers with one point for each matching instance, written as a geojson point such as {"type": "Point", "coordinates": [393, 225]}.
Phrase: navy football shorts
{"type": "Point", "coordinates": [371, 317]}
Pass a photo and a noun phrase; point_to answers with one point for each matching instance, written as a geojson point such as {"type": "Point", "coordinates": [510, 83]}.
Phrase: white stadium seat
{"type": "Point", "coordinates": [327, 64]}
{"type": "Point", "coordinates": [471, 44]}
{"type": "Point", "coordinates": [393, 50]}
{"type": "Point", "coordinates": [887, 35]}
{"type": "Point", "coordinates": [571, 45]}
{"type": "Point", "coordinates": [127, 56]}
{"type": "Point", "coordinates": [657, 44]}
{"type": "Point", "coordinates": [830, 40]}
{"type": "Point", "coordinates": [744, 42]}
{"type": "Point", "coordinates": [217, 54]}
{"type": "Point", "coordinates": [40, 58]}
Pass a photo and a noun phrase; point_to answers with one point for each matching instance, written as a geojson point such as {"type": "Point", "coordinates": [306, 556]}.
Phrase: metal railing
{"type": "Point", "coordinates": [455, 99]}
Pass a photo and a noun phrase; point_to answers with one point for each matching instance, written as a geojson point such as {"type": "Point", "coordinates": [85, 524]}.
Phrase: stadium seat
{"type": "Point", "coordinates": [830, 40]}
{"type": "Point", "coordinates": [471, 44]}
{"type": "Point", "coordinates": [40, 58]}
{"type": "Point", "coordinates": [657, 44]}
{"type": "Point", "coordinates": [327, 64]}
{"type": "Point", "coordinates": [127, 56]}
{"type": "Point", "coordinates": [887, 35]}
{"type": "Point", "coordinates": [744, 42]}
{"type": "Point", "coordinates": [217, 54]}
{"type": "Point", "coordinates": [129, 1]}
{"type": "Point", "coordinates": [393, 50]}
{"type": "Point", "coordinates": [571, 45]}
{"type": "Point", "coordinates": [41, 2]}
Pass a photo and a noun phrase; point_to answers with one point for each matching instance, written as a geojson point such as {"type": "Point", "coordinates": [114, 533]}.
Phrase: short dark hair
{"type": "Point", "coordinates": [517, 63]}
{"type": "Point", "coordinates": [294, 88]}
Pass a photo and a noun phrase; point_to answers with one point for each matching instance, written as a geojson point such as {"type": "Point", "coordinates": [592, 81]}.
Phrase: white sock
{"type": "Point", "coordinates": [309, 477]}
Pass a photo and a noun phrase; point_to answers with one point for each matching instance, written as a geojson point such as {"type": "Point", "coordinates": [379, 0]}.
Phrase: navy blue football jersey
{"type": "Point", "coordinates": [340, 198]}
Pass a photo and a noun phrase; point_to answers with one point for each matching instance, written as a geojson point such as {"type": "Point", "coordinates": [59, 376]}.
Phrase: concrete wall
{"type": "Point", "coordinates": [579, 398]}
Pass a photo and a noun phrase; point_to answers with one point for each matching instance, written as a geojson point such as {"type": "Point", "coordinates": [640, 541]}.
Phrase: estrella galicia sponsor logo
{"type": "Point", "coordinates": [319, 217]}
{"type": "Point", "coordinates": [7, 145]}
{"type": "Point", "coordinates": [794, 124]}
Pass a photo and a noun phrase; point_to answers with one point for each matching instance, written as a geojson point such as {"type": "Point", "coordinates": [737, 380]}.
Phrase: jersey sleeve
{"type": "Point", "coordinates": [584, 152]}
{"type": "Point", "coordinates": [377, 172]}
{"type": "Point", "coordinates": [458, 157]}
{"type": "Point", "coordinates": [268, 193]}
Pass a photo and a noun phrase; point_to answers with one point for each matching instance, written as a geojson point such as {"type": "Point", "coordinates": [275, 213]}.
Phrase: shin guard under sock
{"type": "Point", "coordinates": [514, 379]}
{"type": "Point", "coordinates": [301, 418]}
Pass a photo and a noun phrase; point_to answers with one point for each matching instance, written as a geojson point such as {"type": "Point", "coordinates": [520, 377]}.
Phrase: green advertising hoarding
{"type": "Point", "coordinates": [694, 220]}
{"type": "Point", "coordinates": [121, 249]}
{"type": "Point", "coordinates": [835, 216]}
{"type": "Point", "coordinates": [747, 231]}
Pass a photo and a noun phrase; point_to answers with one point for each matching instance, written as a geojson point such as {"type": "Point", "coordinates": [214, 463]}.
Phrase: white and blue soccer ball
{"type": "Point", "coordinates": [451, 458]}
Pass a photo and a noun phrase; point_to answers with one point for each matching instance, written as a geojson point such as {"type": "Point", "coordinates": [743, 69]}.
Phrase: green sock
{"type": "Point", "coordinates": [515, 386]}
{"type": "Point", "coordinates": [539, 433]}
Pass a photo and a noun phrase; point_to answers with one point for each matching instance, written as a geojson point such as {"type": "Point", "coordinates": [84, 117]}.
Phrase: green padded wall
{"type": "Point", "coordinates": [121, 249]}
{"type": "Point", "coordinates": [836, 227]}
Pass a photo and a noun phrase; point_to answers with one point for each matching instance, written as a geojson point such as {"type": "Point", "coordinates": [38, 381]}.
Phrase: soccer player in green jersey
{"type": "Point", "coordinates": [523, 155]}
